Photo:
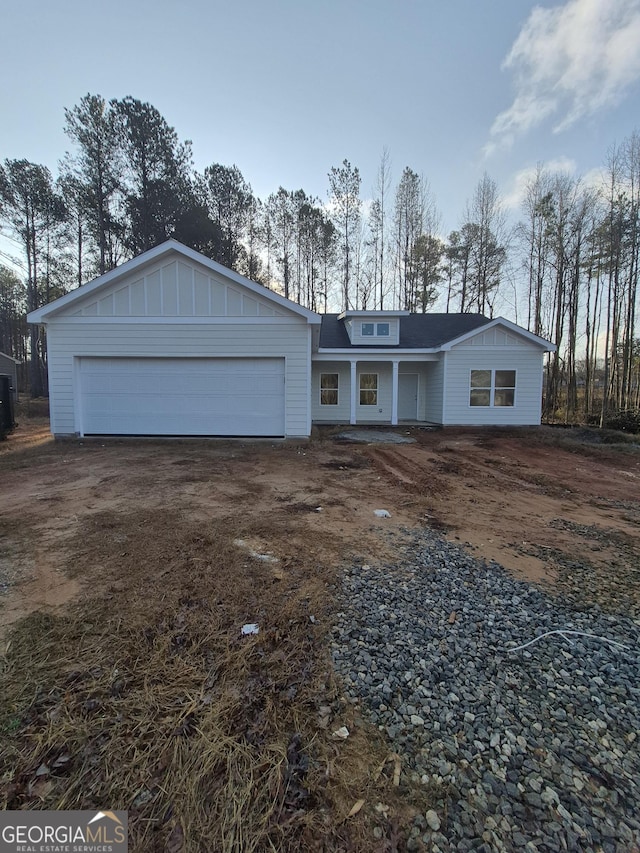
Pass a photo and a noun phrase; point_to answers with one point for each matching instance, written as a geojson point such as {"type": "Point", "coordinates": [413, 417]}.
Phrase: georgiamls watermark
{"type": "Point", "coordinates": [63, 832]}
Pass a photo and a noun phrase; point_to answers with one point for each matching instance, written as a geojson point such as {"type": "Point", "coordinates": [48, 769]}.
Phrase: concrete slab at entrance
{"type": "Point", "coordinates": [373, 436]}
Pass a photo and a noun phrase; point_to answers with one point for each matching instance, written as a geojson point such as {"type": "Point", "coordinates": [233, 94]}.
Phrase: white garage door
{"type": "Point", "coordinates": [182, 396]}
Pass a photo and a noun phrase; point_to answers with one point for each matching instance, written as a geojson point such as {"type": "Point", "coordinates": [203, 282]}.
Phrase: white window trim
{"type": "Point", "coordinates": [366, 334]}
{"type": "Point", "coordinates": [336, 389]}
{"type": "Point", "coordinates": [492, 389]}
{"type": "Point", "coordinates": [380, 334]}
{"type": "Point", "coordinates": [376, 389]}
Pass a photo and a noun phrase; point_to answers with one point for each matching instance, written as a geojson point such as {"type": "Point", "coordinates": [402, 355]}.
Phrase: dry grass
{"type": "Point", "coordinates": [147, 697]}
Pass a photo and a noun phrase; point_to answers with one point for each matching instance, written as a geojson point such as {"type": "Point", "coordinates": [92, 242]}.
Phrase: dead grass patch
{"type": "Point", "coordinates": [147, 697]}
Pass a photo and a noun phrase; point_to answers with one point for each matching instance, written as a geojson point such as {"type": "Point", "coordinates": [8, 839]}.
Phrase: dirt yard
{"type": "Point", "coordinates": [127, 569]}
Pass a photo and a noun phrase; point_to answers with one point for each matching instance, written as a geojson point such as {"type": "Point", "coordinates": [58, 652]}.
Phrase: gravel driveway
{"type": "Point", "coordinates": [524, 749]}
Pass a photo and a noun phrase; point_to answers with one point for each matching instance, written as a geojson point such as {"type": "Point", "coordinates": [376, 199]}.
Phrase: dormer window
{"type": "Point", "coordinates": [378, 330]}
{"type": "Point", "coordinates": [373, 328]}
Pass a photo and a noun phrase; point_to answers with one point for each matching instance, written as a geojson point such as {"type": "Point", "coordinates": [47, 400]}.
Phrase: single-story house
{"type": "Point", "coordinates": [9, 367]}
{"type": "Point", "coordinates": [172, 343]}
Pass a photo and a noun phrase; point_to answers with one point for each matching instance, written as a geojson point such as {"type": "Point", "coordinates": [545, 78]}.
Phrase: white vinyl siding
{"type": "Point", "coordinates": [432, 409]}
{"type": "Point", "coordinates": [331, 414]}
{"type": "Point", "coordinates": [526, 361]}
{"type": "Point", "coordinates": [75, 339]}
{"type": "Point", "coordinates": [342, 412]}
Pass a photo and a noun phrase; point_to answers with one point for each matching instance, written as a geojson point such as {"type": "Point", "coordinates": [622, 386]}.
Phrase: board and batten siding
{"type": "Point", "coordinates": [512, 354]}
{"type": "Point", "coordinates": [71, 340]}
{"type": "Point", "coordinates": [177, 288]}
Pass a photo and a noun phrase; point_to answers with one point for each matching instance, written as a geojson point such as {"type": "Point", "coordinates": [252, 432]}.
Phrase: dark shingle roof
{"type": "Point", "coordinates": [417, 331]}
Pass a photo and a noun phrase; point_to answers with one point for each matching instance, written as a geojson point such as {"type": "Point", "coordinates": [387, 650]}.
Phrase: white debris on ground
{"type": "Point", "coordinates": [266, 558]}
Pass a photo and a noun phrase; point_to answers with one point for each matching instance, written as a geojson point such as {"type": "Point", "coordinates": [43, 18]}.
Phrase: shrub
{"type": "Point", "coordinates": [625, 420]}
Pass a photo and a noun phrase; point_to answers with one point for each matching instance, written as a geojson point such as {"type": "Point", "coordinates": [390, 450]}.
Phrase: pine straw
{"type": "Point", "coordinates": [146, 697]}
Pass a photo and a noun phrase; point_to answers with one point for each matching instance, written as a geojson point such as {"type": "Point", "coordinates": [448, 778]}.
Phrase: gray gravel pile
{"type": "Point", "coordinates": [530, 749]}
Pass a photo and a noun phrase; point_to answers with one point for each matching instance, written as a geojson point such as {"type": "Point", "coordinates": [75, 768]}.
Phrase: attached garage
{"type": "Point", "coordinates": [182, 396]}
{"type": "Point", "coordinates": [172, 343]}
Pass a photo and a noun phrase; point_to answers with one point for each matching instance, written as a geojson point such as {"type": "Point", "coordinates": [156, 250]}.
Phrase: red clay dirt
{"type": "Point", "coordinates": [533, 500]}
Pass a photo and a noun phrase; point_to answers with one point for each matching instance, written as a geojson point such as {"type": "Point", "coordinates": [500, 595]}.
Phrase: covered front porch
{"type": "Point", "coordinates": [370, 389]}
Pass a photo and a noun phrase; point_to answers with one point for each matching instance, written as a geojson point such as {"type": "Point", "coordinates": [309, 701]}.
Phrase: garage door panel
{"type": "Point", "coordinates": [156, 396]}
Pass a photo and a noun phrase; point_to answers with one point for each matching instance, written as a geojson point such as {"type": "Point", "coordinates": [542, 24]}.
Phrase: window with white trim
{"type": "Point", "coordinates": [492, 388]}
{"type": "Point", "coordinates": [378, 330]}
{"type": "Point", "coordinates": [368, 389]}
{"type": "Point", "coordinates": [328, 389]}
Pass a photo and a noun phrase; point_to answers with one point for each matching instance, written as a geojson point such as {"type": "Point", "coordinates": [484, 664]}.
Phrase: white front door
{"type": "Point", "coordinates": [408, 397]}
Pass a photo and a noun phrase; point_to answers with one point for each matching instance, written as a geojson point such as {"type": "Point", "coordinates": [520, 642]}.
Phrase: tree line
{"type": "Point", "coordinates": [128, 183]}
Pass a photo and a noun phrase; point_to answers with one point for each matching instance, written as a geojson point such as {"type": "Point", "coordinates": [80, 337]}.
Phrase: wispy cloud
{"type": "Point", "coordinates": [517, 189]}
{"type": "Point", "coordinates": [568, 62]}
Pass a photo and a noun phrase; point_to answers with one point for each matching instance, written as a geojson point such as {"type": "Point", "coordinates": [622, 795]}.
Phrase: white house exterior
{"type": "Point", "coordinates": [451, 369]}
{"type": "Point", "coordinates": [172, 343]}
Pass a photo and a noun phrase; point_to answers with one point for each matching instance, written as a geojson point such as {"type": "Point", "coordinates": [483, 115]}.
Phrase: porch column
{"type": "Point", "coordinates": [394, 394]}
{"type": "Point", "coordinates": [354, 392]}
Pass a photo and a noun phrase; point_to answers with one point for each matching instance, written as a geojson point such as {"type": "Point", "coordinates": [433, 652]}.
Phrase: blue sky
{"type": "Point", "coordinates": [287, 89]}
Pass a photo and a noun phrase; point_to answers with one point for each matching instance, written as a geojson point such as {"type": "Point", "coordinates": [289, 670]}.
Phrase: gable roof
{"type": "Point", "coordinates": [510, 327]}
{"type": "Point", "coordinates": [165, 250]}
{"type": "Point", "coordinates": [417, 331]}
{"type": "Point", "coordinates": [424, 331]}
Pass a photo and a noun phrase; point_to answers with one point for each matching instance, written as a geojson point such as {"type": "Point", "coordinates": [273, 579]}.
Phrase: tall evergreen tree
{"type": "Point", "coordinates": [155, 173]}
{"type": "Point", "coordinates": [485, 231]}
{"type": "Point", "coordinates": [345, 207]}
{"type": "Point", "coordinates": [280, 214]}
{"type": "Point", "coordinates": [32, 209]}
{"type": "Point", "coordinates": [229, 199]}
{"type": "Point", "coordinates": [97, 165]}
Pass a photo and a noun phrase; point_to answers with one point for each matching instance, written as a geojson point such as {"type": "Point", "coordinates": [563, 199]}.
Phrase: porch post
{"type": "Point", "coordinates": [394, 394]}
{"type": "Point", "coordinates": [354, 391]}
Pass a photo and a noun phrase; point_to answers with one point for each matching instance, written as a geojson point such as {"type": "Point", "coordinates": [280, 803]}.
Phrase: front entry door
{"type": "Point", "coordinates": [408, 397]}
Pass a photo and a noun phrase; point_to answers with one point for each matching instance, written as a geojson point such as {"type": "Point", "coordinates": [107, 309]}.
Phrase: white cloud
{"type": "Point", "coordinates": [568, 62]}
{"type": "Point", "coordinates": [596, 179]}
{"type": "Point", "coordinates": [515, 194]}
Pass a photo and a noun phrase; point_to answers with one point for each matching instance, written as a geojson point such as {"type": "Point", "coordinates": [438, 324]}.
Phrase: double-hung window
{"type": "Point", "coordinates": [328, 389]}
{"type": "Point", "coordinates": [492, 388]}
{"type": "Point", "coordinates": [368, 389]}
